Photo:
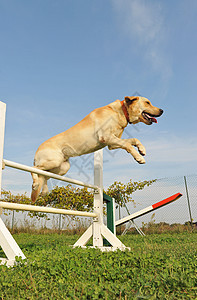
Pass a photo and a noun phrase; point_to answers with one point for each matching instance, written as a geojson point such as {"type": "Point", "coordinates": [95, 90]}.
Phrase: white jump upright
{"type": "Point", "coordinates": [7, 242]}
{"type": "Point", "coordinates": [2, 132]}
{"type": "Point", "coordinates": [97, 230]}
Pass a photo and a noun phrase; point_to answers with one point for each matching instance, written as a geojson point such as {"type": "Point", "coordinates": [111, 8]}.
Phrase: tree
{"type": "Point", "coordinates": [122, 193]}
{"type": "Point", "coordinates": [69, 197]}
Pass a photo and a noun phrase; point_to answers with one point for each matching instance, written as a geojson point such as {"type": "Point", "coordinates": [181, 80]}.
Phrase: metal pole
{"type": "Point", "coordinates": [188, 201]}
{"type": "Point", "coordinates": [120, 229]}
{"type": "Point", "coordinates": [132, 222]}
{"type": "Point", "coordinates": [13, 219]}
{"type": "Point", "coordinates": [60, 217]}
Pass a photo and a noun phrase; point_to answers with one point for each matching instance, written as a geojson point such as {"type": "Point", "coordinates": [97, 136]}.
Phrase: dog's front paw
{"type": "Point", "coordinates": [135, 142]}
{"type": "Point", "coordinates": [140, 159]}
{"type": "Point", "coordinates": [142, 150]}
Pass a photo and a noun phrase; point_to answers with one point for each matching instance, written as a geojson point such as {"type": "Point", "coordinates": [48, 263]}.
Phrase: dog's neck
{"type": "Point", "coordinates": [125, 111]}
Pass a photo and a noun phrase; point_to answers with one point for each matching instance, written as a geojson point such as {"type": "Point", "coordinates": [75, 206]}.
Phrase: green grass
{"type": "Point", "coordinates": [157, 267]}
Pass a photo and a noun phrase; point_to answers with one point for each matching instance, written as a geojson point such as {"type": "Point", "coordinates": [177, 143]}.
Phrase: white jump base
{"type": "Point", "coordinates": [97, 230]}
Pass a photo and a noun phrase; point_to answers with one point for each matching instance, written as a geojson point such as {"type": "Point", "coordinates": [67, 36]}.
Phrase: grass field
{"type": "Point", "coordinates": [157, 267]}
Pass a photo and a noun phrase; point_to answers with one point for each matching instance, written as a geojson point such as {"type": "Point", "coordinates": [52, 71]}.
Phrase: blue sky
{"type": "Point", "coordinates": [61, 59]}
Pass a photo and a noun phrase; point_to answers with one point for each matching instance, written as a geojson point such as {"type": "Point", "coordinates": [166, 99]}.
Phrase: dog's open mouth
{"type": "Point", "coordinates": [148, 117]}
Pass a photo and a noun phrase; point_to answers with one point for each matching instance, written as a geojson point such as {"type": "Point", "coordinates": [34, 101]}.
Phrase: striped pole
{"type": "Point", "coordinates": [148, 209]}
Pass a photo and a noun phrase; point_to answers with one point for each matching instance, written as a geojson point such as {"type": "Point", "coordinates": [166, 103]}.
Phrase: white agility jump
{"type": "Point", "coordinates": [97, 230]}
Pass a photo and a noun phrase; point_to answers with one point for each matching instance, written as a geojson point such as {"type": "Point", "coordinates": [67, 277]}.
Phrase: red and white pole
{"type": "Point", "coordinates": [148, 209]}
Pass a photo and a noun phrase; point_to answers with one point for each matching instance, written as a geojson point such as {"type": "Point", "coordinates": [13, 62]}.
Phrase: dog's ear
{"type": "Point", "coordinates": [130, 100]}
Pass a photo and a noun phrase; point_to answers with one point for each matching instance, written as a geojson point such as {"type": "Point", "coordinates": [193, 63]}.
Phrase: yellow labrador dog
{"type": "Point", "coordinates": [102, 127]}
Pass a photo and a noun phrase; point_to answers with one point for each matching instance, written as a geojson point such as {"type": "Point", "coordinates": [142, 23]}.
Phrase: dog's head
{"type": "Point", "coordinates": [140, 109]}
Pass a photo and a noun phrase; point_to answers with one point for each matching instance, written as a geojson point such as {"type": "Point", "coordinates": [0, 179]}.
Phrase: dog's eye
{"type": "Point", "coordinates": [147, 102]}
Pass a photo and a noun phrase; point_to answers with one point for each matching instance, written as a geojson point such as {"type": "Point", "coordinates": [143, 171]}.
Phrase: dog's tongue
{"type": "Point", "coordinates": [150, 118]}
{"type": "Point", "coordinates": [153, 120]}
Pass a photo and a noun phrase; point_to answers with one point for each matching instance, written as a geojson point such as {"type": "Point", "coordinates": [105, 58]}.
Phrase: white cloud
{"type": "Point", "coordinates": [143, 22]}
{"type": "Point", "coordinates": [167, 156]}
{"type": "Point", "coordinates": [142, 19]}
{"type": "Point", "coordinates": [16, 181]}
{"type": "Point", "coordinates": [173, 149]}
{"type": "Point", "coordinates": [166, 148]}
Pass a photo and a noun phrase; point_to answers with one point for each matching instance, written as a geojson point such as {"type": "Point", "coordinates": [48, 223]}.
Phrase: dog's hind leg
{"type": "Point", "coordinates": [65, 166]}
{"type": "Point", "coordinates": [35, 181]}
{"type": "Point", "coordinates": [63, 169]}
{"type": "Point", "coordinates": [45, 189]}
{"type": "Point", "coordinates": [38, 182]}
{"type": "Point", "coordinates": [55, 164]}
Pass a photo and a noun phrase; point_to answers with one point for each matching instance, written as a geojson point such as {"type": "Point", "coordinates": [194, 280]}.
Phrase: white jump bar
{"type": "Point", "coordinates": [15, 165]}
{"type": "Point", "coordinates": [27, 207]}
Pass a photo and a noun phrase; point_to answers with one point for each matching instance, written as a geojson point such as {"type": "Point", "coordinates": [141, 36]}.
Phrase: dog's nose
{"type": "Point", "coordinates": [161, 111]}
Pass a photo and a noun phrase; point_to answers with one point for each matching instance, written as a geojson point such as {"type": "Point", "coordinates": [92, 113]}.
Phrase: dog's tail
{"type": "Point", "coordinates": [38, 181]}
